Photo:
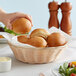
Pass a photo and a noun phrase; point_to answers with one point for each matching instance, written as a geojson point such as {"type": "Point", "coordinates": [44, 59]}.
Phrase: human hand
{"type": "Point", "coordinates": [9, 18]}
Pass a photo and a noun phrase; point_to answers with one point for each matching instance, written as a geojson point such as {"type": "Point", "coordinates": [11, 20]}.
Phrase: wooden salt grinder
{"type": "Point", "coordinates": [53, 9]}
{"type": "Point", "coordinates": [66, 24]}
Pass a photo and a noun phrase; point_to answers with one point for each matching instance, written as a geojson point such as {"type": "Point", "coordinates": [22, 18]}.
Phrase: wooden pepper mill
{"type": "Point", "coordinates": [66, 24]}
{"type": "Point", "coordinates": [53, 9]}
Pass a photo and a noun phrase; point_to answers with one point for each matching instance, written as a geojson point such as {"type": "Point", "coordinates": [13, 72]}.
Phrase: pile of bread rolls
{"type": "Point", "coordinates": [38, 37]}
{"type": "Point", "coordinates": [42, 38]}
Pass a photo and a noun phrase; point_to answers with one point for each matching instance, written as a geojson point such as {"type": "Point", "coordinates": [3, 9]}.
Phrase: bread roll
{"type": "Point", "coordinates": [21, 25]}
{"type": "Point", "coordinates": [40, 32]}
{"type": "Point", "coordinates": [34, 41]}
{"type": "Point", "coordinates": [37, 41]}
{"type": "Point", "coordinates": [1, 36]}
{"type": "Point", "coordinates": [22, 39]}
{"type": "Point", "coordinates": [56, 39]}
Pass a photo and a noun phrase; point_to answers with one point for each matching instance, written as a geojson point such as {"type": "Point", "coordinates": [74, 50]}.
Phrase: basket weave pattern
{"type": "Point", "coordinates": [36, 55]}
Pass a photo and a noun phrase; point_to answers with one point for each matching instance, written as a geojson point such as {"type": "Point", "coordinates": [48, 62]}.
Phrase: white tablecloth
{"type": "Point", "coordinates": [23, 69]}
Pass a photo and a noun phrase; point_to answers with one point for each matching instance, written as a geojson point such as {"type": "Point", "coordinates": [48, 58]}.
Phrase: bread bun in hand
{"type": "Point", "coordinates": [56, 39]}
{"type": "Point", "coordinates": [21, 25]}
{"type": "Point", "coordinates": [40, 33]}
{"type": "Point", "coordinates": [34, 41]}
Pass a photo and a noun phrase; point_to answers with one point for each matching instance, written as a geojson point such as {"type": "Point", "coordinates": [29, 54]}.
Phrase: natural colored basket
{"type": "Point", "coordinates": [36, 55]}
{"type": "Point", "coordinates": [30, 54]}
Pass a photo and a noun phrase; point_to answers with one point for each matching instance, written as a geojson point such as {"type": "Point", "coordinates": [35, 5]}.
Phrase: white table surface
{"type": "Point", "coordinates": [23, 69]}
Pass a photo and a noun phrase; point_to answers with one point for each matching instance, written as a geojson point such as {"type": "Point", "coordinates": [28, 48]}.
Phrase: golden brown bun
{"type": "Point", "coordinates": [40, 32]}
{"type": "Point", "coordinates": [56, 39]}
{"type": "Point", "coordinates": [22, 39]}
{"type": "Point", "coordinates": [1, 36]}
{"type": "Point", "coordinates": [34, 41]}
{"type": "Point", "coordinates": [37, 41]}
{"type": "Point", "coordinates": [21, 26]}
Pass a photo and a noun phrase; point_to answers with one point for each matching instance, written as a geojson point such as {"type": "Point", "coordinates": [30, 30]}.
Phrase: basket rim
{"type": "Point", "coordinates": [37, 47]}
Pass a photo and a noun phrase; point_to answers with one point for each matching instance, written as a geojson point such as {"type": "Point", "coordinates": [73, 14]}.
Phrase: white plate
{"type": "Point", "coordinates": [55, 69]}
{"type": "Point", "coordinates": [3, 40]}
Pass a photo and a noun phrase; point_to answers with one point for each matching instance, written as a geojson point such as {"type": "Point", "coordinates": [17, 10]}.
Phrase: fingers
{"type": "Point", "coordinates": [11, 17]}
{"type": "Point", "coordinates": [9, 26]}
{"type": "Point", "coordinates": [31, 20]}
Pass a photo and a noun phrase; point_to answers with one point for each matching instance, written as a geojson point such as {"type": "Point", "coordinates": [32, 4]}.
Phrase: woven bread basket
{"type": "Point", "coordinates": [29, 54]}
{"type": "Point", "coordinates": [36, 55]}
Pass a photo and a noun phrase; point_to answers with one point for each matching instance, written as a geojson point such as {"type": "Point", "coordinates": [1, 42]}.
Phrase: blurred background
{"type": "Point", "coordinates": [39, 11]}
